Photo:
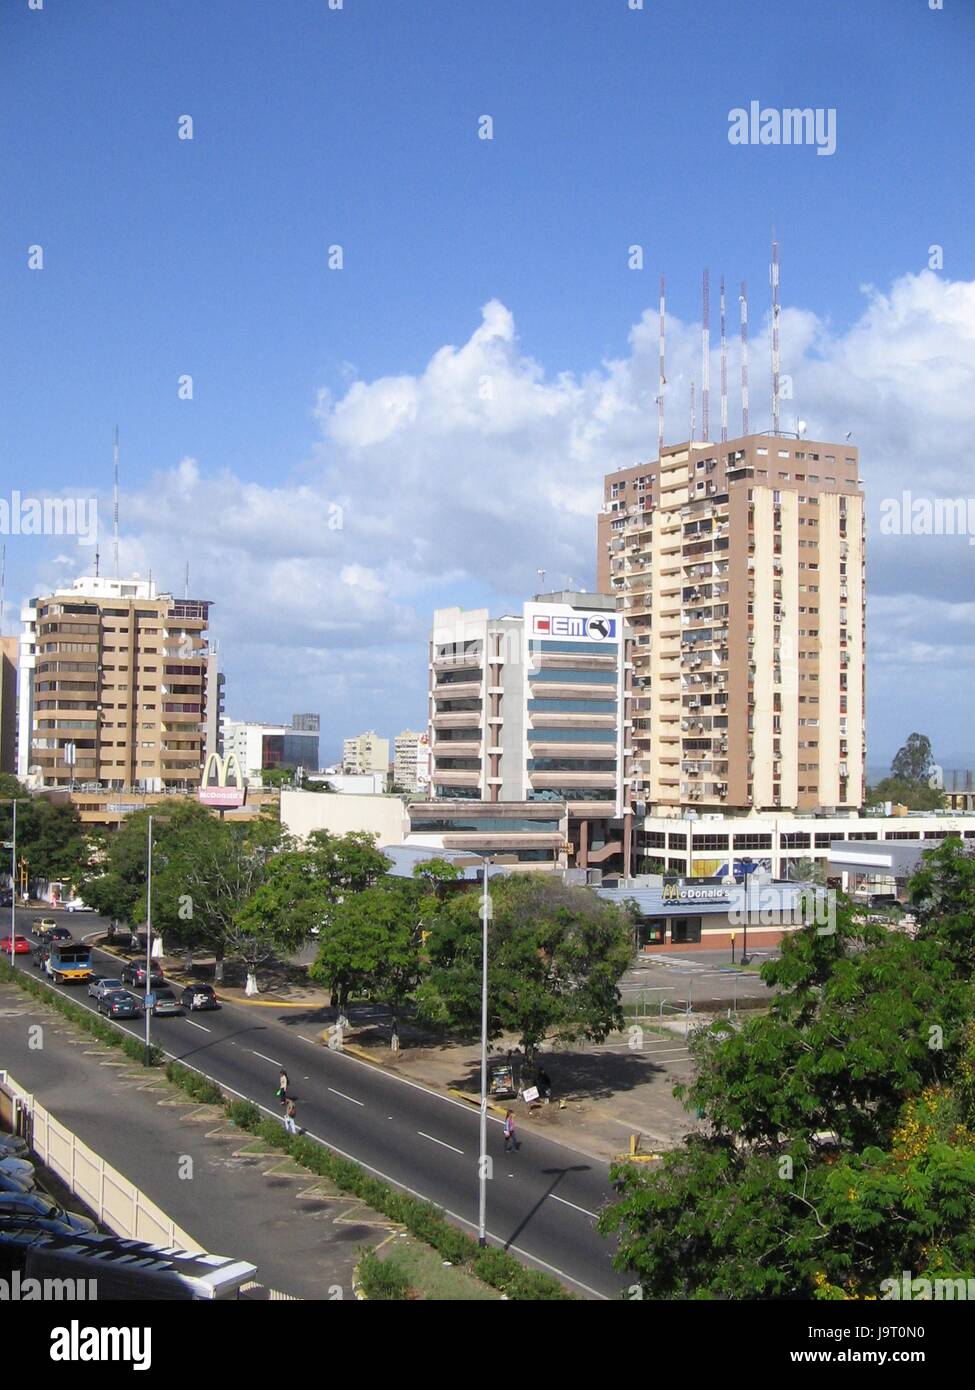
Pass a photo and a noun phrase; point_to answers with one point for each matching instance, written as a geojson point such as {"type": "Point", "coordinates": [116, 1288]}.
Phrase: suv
{"type": "Point", "coordinates": [135, 974]}
{"type": "Point", "coordinates": [198, 996]}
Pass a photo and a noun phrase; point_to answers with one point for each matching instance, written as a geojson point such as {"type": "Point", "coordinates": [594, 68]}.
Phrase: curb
{"type": "Point", "coordinates": [475, 1101]}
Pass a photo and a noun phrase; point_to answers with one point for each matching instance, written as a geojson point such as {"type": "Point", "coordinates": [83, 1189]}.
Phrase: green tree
{"type": "Point", "coordinates": [838, 1147]}
{"type": "Point", "coordinates": [555, 957]}
{"type": "Point", "coordinates": [910, 778]}
{"type": "Point", "coordinates": [372, 945]}
{"type": "Point", "coordinates": [914, 761]}
{"type": "Point", "coordinates": [50, 836]}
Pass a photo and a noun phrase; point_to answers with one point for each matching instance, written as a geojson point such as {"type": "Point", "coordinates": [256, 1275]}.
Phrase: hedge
{"type": "Point", "coordinates": [382, 1279]}
{"type": "Point", "coordinates": [422, 1219]}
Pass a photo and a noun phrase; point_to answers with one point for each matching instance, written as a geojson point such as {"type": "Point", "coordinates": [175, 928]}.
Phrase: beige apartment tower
{"type": "Point", "coordinates": [741, 572]}
{"type": "Point", "coordinates": [116, 675]}
{"type": "Point", "coordinates": [365, 753]}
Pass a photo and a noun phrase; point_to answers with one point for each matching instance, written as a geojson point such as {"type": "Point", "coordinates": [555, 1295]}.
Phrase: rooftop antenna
{"type": "Point", "coordinates": [743, 302]}
{"type": "Point", "coordinates": [661, 378]}
{"type": "Point", "coordinates": [186, 581]}
{"type": "Point", "coordinates": [693, 417]}
{"type": "Point", "coordinates": [115, 510]}
{"type": "Point", "coordinates": [724, 372]}
{"type": "Point", "coordinates": [706, 356]}
{"type": "Point", "coordinates": [775, 334]}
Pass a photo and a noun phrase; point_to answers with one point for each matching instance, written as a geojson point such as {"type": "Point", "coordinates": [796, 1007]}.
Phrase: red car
{"type": "Point", "coordinates": [21, 946]}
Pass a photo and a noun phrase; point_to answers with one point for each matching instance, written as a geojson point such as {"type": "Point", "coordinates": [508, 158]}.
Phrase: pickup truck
{"type": "Point", "coordinates": [68, 961]}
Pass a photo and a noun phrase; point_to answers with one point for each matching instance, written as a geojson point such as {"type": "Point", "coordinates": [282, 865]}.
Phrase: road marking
{"type": "Point", "coordinates": [197, 1025]}
{"type": "Point", "coordinates": [265, 1059]}
{"type": "Point", "coordinates": [304, 1039]}
{"type": "Point", "coordinates": [584, 1211]}
{"type": "Point", "coordinates": [343, 1095]}
{"type": "Point", "coordinates": [439, 1141]}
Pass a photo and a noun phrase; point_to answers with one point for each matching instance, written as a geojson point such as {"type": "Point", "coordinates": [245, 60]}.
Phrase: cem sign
{"type": "Point", "coordinates": [594, 627]}
{"type": "Point", "coordinates": [679, 892]}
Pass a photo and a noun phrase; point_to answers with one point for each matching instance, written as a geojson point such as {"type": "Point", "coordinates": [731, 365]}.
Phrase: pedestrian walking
{"type": "Point", "coordinates": [290, 1111]}
{"type": "Point", "coordinates": [282, 1091]}
{"type": "Point", "coordinates": [510, 1142]}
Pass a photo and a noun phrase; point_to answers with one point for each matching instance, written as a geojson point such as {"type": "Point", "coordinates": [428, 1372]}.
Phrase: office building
{"type": "Point", "coordinates": [532, 707]}
{"type": "Point", "coordinates": [262, 747]}
{"type": "Point", "coordinates": [113, 687]}
{"type": "Point", "coordinates": [740, 571]}
{"type": "Point", "coordinates": [365, 753]}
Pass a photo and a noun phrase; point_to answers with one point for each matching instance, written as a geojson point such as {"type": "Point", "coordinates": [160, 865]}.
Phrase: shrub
{"type": "Point", "coordinates": [244, 1114]}
{"type": "Point", "coordinates": [382, 1279]}
{"type": "Point", "coordinates": [201, 1088]}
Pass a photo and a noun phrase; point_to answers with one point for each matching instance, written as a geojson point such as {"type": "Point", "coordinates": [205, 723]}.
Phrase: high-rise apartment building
{"type": "Point", "coordinates": [365, 753]}
{"type": "Point", "coordinates": [113, 686]}
{"type": "Point", "coordinates": [8, 703]}
{"type": "Point", "coordinates": [411, 760]}
{"type": "Point", "coordinates": [533, 708]}
{"type": "Point", "coordinates": [740, 570]}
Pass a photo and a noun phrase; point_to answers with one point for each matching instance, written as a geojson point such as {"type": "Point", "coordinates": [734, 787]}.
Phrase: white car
{"type": "Point", "coordinates": [76, 905]}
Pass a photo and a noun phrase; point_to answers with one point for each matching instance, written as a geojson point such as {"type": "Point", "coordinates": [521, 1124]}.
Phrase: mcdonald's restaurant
{"type": "Point", "coordinates": [709, 914]}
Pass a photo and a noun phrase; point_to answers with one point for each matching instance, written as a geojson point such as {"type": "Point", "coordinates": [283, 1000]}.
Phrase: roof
{"type": "Point", "coordinates": [717, 898]}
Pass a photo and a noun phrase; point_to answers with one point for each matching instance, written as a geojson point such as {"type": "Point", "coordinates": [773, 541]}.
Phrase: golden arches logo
{"type": "Point", "coordinates": [223, 772]}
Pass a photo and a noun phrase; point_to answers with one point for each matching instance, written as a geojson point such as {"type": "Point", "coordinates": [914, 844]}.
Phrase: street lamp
{"type": "Point", "coordinates": [147, 1011]}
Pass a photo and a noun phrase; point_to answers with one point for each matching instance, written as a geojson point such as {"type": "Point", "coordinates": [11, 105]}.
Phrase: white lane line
{"type": "Point", "coordinates": [197, 1025]}
{"type": "Point", "coordinates": [265, 1059]}
{"type": "Point", "coordinates": [584, 1211]}
{"type": "Point", "coordinates": [343, 1095]}
{"type": "Point", "coordinates": [438, 1141]}
{"type": "Point", "coordinates": [304, 1039]}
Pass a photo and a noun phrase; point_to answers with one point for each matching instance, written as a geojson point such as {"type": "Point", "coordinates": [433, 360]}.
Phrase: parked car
{"type": "Point", "coordinates": [76, 905]}
{"type": "Point", "coordinates": [135, 974]}
{"type": "Point", "coordinates": [198, 996]}
{"type": "Point", "coordinates": [21, 945]}
{"type": "Point", "coordinates": [120, 1004]}
{"type": "Point", "coordinates": [10, 1183]}
{"type": "Point", "coordinates": [164, 1002]}
{"type": "Point", "coordinates": [13, 1146]}
{"type": "Point", "coordinates": [20, 1168]}
{"type": "Point", "coordinates": [16, 1224]}
{"type": "Point", "coordinates": [103, 984]}
{"type": "Point", "coordinates": [35, 1204]}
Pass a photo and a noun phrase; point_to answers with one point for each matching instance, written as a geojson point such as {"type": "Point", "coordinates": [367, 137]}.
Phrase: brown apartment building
{"type": "Point", "coordinates": [741, 571]}
{"type": "Point", "coordinates": [114, 679]}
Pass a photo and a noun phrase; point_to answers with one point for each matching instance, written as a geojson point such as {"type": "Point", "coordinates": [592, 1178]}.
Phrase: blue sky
{"type": "Point", "coordinates": [358, 126]}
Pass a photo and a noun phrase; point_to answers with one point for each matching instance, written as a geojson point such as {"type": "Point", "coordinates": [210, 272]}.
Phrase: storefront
{"type": "Point", "coordinates": [712, 915]}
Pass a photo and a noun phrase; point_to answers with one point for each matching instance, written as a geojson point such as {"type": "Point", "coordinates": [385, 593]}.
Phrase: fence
{"type": "Point", "coordinates": [113, 1199]}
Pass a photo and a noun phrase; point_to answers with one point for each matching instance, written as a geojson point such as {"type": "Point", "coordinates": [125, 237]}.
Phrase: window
{"type": "Point", "coordinates": [684, 930]}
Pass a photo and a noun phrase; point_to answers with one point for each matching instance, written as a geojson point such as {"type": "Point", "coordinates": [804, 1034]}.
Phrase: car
{"type": "Point", "coordinates": [18, 1225]}
{"type": "Point", "coordinates": [134, 973]}
{"type": "Point", "coordinates": [119, 1004]}
{"type": "Point", "coordinates": [103, 984]}
{"type": "Point", "coordinates": [40, 954]}
{"type": "Point", "coordinates": [35, 1204]}
{"type": "Point", "coordinates": [13, 1146]}
{"type": "Point", "coordinates": [76, 905]}
{"type": "Point", "coordinates": [10, 1183]}
{"type": "Point", "coordinates": [164, 1002]}
{"type": "Point", "coordinates": [42, 925]}
{"type": "Point", "coordinates": [21, 945]}
{"type": "Point", "coordinates": [58, 934]}
{"type": "Point", "coordinates": [198, 996]}
{"type": "Point", "coordinates": [20, 1169]}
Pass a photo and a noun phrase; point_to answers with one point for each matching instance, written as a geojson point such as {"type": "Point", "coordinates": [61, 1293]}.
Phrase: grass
{"type": "Point", "coordinates": [429, 1277]}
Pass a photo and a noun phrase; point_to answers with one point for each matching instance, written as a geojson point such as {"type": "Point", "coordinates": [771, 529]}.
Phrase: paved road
{"type": "Point", "coordinates": [542, 1201]}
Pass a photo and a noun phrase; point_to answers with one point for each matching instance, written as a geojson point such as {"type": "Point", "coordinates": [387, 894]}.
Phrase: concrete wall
{"type": "Point", "coordinates": [383, 816]}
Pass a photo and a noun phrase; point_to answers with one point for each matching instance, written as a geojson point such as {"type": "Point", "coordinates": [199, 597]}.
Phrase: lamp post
{"type": "Point", "coordinates": [482, 1142]}
{"type": "Point", "coordinates": [13, 892]}
{"type": "Point", "coordinates": [147, 1011]}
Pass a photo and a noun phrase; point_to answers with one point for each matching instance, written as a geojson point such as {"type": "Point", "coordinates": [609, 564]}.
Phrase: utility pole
{"type": "Point", "coordinates": [482, 1157]}
{"type": "Point", "coordinates": [148, 989]}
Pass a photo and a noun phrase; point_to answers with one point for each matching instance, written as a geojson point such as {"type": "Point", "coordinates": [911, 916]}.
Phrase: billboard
{"type": "Point", "coordinates": [560, 622]}
{"type": "Point", "coordinates": [223, 784]}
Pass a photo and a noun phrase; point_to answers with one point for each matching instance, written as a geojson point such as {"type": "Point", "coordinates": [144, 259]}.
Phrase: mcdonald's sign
{"type": "Point", "coordinates": [223, 783]}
